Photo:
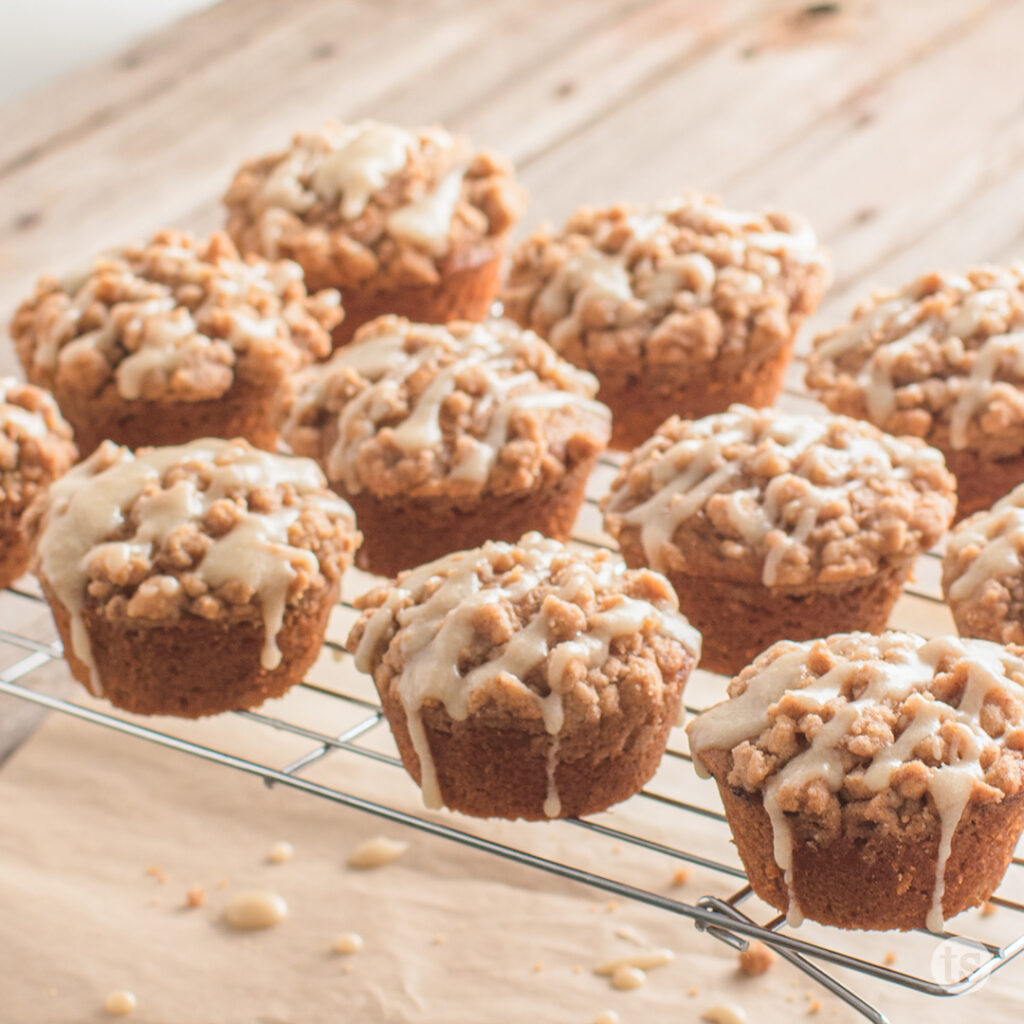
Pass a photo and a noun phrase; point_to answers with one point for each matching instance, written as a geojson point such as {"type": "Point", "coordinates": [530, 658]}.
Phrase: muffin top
{"type": "Point", "coordinates": [532, 630]}
{"type": "Point", "coordinates": [177, 320]}
{"type": "Point", "coordinates": [674, 285]}
{"type": "Point", "coordinates": [857, 731]}
{"type": "Point", "coordinates": [213, 528]}
{"type": "Point", "coordinates": [431, 410]}
{"type": "Point", "coordinates": [942, 358]}
{"type": "Point", "coordinates": [786, 499]}
{"type": "Point", "coordinates": [355, 201]}
{"type": "Point", "coordinates": [35, 443]}
{"type": "Point", "coordinates": [983, 571]}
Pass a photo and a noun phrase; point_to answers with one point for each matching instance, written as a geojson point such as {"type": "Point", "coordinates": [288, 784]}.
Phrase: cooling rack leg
{"type": "Point", "coordinates": [812, 970]}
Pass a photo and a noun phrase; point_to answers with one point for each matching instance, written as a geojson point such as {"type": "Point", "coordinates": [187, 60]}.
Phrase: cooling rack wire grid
{"type": "Point", "coordinates": [697, 837]}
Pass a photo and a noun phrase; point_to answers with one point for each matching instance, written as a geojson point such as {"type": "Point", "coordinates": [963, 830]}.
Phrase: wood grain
{"type": "Point", "coordinates": [897, 127]}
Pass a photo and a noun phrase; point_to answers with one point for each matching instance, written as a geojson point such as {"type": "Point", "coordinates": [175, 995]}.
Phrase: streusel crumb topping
{"type": "Point", "coordinates": [983, 571]}
{"type": "Point", "coordinates": [879, 732]}
{"type": "Point", "coordinates": [216, 529]}
{"type": "Point", "coordinates": [785, 498]}
{"type": "Point", "coordinates": [941, 358]}
{"type": "Point", "coordinates": [176, 320]}
{"type": "Point", "coordinates": [427, 410]}
{"type": "Point", "coordinates": [671, 286]}
{"type": "Point", "coordinates": [534, 628]}
{"type": "Point", "coordinates": [35, 443]}
{"type": "Point", "coordinates": [352, 202]}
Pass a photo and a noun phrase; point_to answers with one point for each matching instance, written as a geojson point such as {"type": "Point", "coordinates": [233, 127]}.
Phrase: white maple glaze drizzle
{"type": "Point", "coordinates": [900, 670]}
{"type": "Point", "coordinates": [712, 456]}
{"type": "Point", "coordinates": [433, 635]}
{"type": "Point", "coordinates": [973, 310]}
{"type": "Point", "coordinates": [385, 364]}
{"type": "Point", "coordinates": [24, 421]}
{"type": "Point", "coordinates": [998, 538]}
{"type": "Point", "coordinates": [86, 507]}
{"type": "Point", "coordinates": [348, 164]}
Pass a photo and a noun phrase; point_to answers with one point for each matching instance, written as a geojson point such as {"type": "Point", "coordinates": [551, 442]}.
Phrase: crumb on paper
{"type": "Point", "coordinates": [756, 959]}
{"type": "Point", "coordinates": [815, 1006]}
{"type": "Point", "coordinates": [607, 1017]}
{"type": "Point", "coordinates": [681, 876]}
{"type": "Point", "coordinates": [611, 906]}
{"type": "Point", "coordinates": [626, 978]}
{"type": "Point", "coordinates": [376, 852]}
{"type": "Point", "coordinates": [988, 909]}
{"type": "Point", "coordinates": [537, 968]}
{"type": "Point", "coordinates": [577, 968]}
{"type": "Point", "coordinates": [630, 934]}
{"type": "Point", "coordinates": [157, 872]}
{"type": "Point", "coordinates": [889, 959]}
{"type": "Point", "coordinates": [438, 940]}
{"type": "Point", "coordinates": [255, 909]}
{"type": "Point", "coordinates": [281, 852]}
{"type": "Point", "coordinates": [120, 1002]}
{"type": "Point", "coordinates": [195, 896]}
{"type": "Point", "coordinates": [348, 943]}
{"type": "Point", "coordinates": [724, 1013]}
{"type": "Point", "coordinates": [221, 883]}
{"type": "Point", "coordinates": [693, 991]}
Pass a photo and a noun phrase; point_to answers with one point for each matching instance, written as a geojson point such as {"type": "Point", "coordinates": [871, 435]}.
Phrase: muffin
{"type": "Point", "coordinates": [172, 341]}
{"type": "Point", "coordinates": [527, 680]}
{"type": "Point", "coordinates": [443, 437]}
{"type": "Point", "coordinates": [405, 222]}
{"type": "Point", "coordinates": [35, 449]}
{"type": "Point", "coordinates": [983, 573]}
{"type": "Point", "coordinates": [872, 782]}
{"type": "Point", "coordinates": [194, 579]}
{"type": "Point", "coordinates": [943, 359]}
{"type": "Point", "coordinates": [683, 307]}
{"type": "Point", "coordinates": [778, 526]}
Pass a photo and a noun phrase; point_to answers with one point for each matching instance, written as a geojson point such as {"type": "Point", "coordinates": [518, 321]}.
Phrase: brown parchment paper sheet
{"type": "Point", "coordinates": [451, 935]}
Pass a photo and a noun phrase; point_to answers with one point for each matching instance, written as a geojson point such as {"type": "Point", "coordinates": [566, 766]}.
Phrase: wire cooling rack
{"type": "Point", "coordinates": [946, 965]}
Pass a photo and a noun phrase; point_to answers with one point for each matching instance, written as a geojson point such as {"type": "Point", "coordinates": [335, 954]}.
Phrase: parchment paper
{"type": "Point", "coordinates": [450, 935]}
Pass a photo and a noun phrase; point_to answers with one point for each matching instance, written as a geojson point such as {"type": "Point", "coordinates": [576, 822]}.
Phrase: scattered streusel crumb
{"type": "Point", "coordinates": [681, 876]}
{"type": "Point", "coordinates": [438, 940]}
{"type": "Point", "coordinates": [120, 1002]}
{"type": "Point", "coordinates": [756, 959]}
{"type": "Point", "coordinates": [889, 959]}
{"type": "Point", "coordinates": [348, 942]}
{"type": "Point", "coordinates": [281, 852]}
{"type": "Point", "coordinates": [376, 852]}
{"type": "Point", "coordinates": [627, 978]}
{"type": "Point", "coordinates": [693, 991]}
{"type": "Point", "coordinates": [195, 896]}
{"type": "Point", "coordinates": [221, 883]}
{"type": "Point", "coordinates": [537, 968]}
{"type": "Point", "coordinates": [988, 909]}
{"type": "Point", "coordinates": [577, 969]}
{"type": "Point", "coordinates": [611, 906]}
{"type": "Point", "coordinates": [157, 872]}
{"type": "Point", "coordinates": [815, 1007]}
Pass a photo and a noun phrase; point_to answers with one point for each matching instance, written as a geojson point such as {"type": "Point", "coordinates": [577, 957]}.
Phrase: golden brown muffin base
{"type": "Point", "coordinates": [639, 406]}
{"type": "Point", "coordinates": [981, 482]}
{"type": "Point", "coordinates": [244, 411]}
{"type": "Point", "coordinates": [15, 552]}
{"type": "Point", "coordinates": [867, 879]}
{"type": "Point", "coordinates": [740, 620]}
{"type": "Point", "coordinates": [494, 764]}
{"type": "Point", "coordinates": [468, 284]}
{"type": "Point", "coordinates": [191, 667]}
{"type": "Point", "coordinates": [401, 531]}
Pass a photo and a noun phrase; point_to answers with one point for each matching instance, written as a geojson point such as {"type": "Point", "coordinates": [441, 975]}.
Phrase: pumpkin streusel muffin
{"type": "Point", "coordinates": [527, 680]}
{"type": "Point", "coordinates": [872, 781]}
{"type": "Point", "coordinates": [443, 437]}
{"type": "Point", "coordinates": [778, 526]}
{"type": "Point", "coordinates": [171, 341]}
{"type": "Point", "coordinates": [983, 572]}
{"type": "Point", "coordinates": [191, 580]}
{"type": "Point", "coordinates": [35, 449]}
{"type": "Point", "coordinates": [942, 358]}
{"type": "Point", "coordinates": [679, 307]}
{"type": "Point", "coordinates": [411, 222]}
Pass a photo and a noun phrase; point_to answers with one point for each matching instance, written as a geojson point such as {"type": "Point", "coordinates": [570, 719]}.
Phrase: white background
{"type": "Point", "coordinates": [44, 39]}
